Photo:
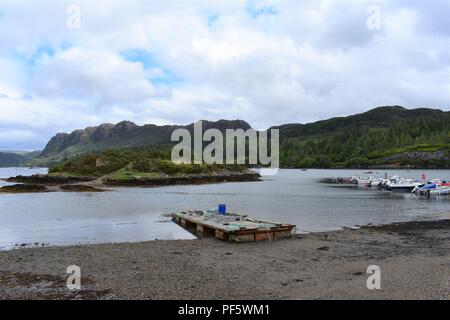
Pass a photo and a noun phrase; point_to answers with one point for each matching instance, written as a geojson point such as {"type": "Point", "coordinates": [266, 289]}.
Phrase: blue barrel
{"type": "Point", "coordinates": [222, 209]}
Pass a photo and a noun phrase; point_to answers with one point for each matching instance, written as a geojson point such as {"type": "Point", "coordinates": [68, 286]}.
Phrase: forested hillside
{"type": "Point", "coordinates": [16, 159]}
{"type": "Point", "coordinates": [383, 136]}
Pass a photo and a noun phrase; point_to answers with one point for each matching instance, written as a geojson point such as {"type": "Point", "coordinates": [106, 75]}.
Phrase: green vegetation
{"type": "Point", "coordinates": [125, 164]}
{"type": "Point", "coordinates": [384, 136]}
{"type": "Point", "coordinates": [387, 136]}
{"type": "Point", "coordinates": [129, 172]}
{"type": "Point", "coordinates": [105, 162]}
{"type": "Point", "coordinates": [16, 159]}
{"type": "Point", "coordinates": [124, 134]}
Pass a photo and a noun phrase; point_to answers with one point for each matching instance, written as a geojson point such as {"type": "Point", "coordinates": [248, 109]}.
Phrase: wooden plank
{"type": "Point", "coordinates": [204, 231]}
{"type": "Point", "coordinates": [282, 234]}
{"type": "Point", "coordinates": [188, 224]}
{"type": "Point", "coordinates": [260, 236]}
{"type": "Point", "coordinates": [228, 228]}
{"type": "Point", "coordinates": [243, 238]}
{"type": "Point", "coordinates": [219, 234]}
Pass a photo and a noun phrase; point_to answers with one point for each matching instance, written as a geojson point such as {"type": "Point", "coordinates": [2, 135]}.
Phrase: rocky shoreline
{"type": "Point", "coordinates": [191, 179]}
{"type": "Point", "coordinates": [413, 258]}
{"type": "Point", "coordinates": [45, 179]}
{"type": "Point", "coordinates": [53, 183]}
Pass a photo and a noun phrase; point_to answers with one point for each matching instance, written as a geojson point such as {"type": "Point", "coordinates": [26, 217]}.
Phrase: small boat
{"type": "Point", "coordinates": [423, 190]}
{"type": "Point", "coordinates": [362, 181]}
{"type": "Point", "coordinates": [375, 182]}
{"type": "Point", "coordinates": [434, 187]}
{"type": "Point", "coordinates": [402, 184]}
{"type": "Point", "coordinates": [367, 181]}
{"type": "Point", "coordinates": [382, 184]}
{"type": "Point", "coordinates": [441, 191]}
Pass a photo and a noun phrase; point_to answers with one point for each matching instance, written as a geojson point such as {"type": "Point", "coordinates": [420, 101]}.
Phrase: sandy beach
{"type": "Point", "coordinates": [414, 259]}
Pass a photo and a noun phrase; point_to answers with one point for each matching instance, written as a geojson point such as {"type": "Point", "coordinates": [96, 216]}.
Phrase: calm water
{"type": "Point", "coordinates": [136, 214]}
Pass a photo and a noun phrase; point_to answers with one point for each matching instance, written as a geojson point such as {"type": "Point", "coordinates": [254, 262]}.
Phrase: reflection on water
{"type": "Point", "coordinates": [136, 214]}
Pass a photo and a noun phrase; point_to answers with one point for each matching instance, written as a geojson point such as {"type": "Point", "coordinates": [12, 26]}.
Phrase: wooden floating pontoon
{"type": "Point", "coordinates": [231, 226]}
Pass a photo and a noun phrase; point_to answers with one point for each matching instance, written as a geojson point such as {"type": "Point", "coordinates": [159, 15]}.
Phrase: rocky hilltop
{"type": "Point", "coordinates": [388, 136]}
{"type": "Point", "coordinates": [124, 134]}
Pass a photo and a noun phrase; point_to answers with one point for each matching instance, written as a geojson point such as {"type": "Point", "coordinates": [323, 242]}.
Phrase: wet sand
{"type": "Point", "coordinates": [414, 259]}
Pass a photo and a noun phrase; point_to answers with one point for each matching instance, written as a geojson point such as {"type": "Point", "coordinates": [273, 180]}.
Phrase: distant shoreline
{"type": "Point", "coordinates": [372, 168]}
{"type": "Point", "coordinates": [52, 183]}
{"type": "Point", "coordinates": [312, 168]}
{"type": "Point", "coordinates": [412, 256]}
{"type": "Point", "coordinates": [39, 183]}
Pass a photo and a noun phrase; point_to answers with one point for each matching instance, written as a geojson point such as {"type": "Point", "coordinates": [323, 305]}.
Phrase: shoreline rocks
{"type": "Point", "coordinates": [192, 179]}
{"type": "Point", "coordinates": [24, 188]}
{"type": "Point", "coordinates": [80, 188]}
{"type": "Point", "coordinates": [45, 179]}
{"type": "Point", "coordinates": [50, 183]}
{"type": "Point", "coordinates": [36, 188]}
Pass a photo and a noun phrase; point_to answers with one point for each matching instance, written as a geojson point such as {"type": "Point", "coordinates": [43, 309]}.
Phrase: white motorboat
{"type": "Point", "coordinates": [402, 184]}
{"type": "Point", "coordinates": [433, 187]}
{"type": "Point", "coordinates": [368, 181]}
{"type": "Point", "coordinates": [441, 191]}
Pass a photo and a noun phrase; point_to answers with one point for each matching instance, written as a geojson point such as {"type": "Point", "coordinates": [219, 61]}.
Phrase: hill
{"type": "Point", "coordinates": [125, 134]}
{"type": "Point", "coordinates": [389, 136]}
{"type": "Point", "coordinates": [125, 167]}
{"type": "Point", "coordinates": [382, 137]}
{"type": "Point", "coordinates": [16, 158]}
{"type": "Point", "coordinates": [121, 165]}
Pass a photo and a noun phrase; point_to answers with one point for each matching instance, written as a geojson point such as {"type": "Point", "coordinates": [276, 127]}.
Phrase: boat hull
{"type": "Point", "coordinates": [406, 188]}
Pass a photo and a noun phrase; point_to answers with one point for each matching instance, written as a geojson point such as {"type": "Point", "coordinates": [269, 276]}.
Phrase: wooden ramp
{"type": "Point", "coordinates": [231, 226]}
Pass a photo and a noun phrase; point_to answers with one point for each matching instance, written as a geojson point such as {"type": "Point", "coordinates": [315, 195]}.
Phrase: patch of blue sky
{"type": "Point", "coordinates": [142, 56]}
{"type": "Point", "coordinates": [148, 61]}
{"type": "Point", "coordinates": [211, 19]}
{"type": "Point", "coordinates": [66, 45]}
{"type": "Point", "coordinates": [257, 8]}
{"type": "Point", "coordinates": [44, 49]}
{"type": "Point", "coordinates": [38, 54]}
{"type": "Point", "coordinates": [165, 79]}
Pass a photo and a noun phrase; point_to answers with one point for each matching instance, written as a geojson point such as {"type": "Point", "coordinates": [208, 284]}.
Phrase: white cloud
{"type": "Point", "coordinates": [16, 135]}
{"type": "Point", "coordinates": [102, 76]}
{"type": "Point", "coordinates": [267, 62]}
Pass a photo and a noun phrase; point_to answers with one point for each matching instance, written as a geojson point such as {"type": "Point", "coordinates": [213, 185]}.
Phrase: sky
{"type": "Point", "coordinates": [69, 65]}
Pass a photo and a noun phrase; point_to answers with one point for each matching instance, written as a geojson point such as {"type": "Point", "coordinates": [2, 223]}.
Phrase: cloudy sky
{"type": "Point", "coordinates": [68, 65]}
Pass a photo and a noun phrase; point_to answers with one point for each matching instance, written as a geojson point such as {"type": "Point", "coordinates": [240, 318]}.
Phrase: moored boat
{"type": "Point", "coordinates": [402, 184]}
{"type": "Point", "coordinates": [441, 191]}
{"type": "Point", "coordinates": [434, 187]}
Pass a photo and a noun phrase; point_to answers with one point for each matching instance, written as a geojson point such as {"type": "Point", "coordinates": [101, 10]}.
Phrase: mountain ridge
{"type": "Point", "coordinates": [378, 117]}
{"type": "Point", "coordinates": [122, 135]}
{"type": "Point", "coordinates": [16, 158]}
{"type": "Point", "coordinates": [360, 139]}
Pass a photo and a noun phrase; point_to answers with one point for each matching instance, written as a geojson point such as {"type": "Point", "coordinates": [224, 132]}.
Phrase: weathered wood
{"type": "Point", "coordinates": [282, 234]}
{"type": "Point", "coordinates": [243, 237]}
{"type": "Point", "coordinates": [232, 227]}
{"type": "Point", "coordinates": [260, 236]}
{"type": "Point", "coordinates": [221, 235]}
{"type": "Point", "coordinates": [205, 231]}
